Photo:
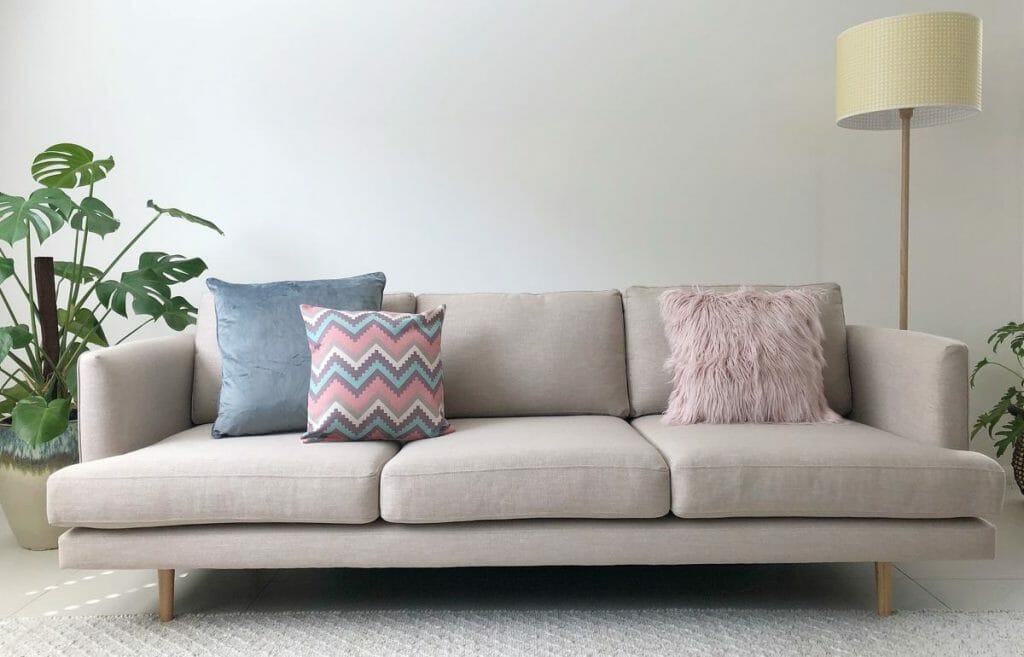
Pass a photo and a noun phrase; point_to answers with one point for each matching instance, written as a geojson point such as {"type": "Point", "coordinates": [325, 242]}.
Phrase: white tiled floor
{"type": "Point", "coordinates": [32, 585]}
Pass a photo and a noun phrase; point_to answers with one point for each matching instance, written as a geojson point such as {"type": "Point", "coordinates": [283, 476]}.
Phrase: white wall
{"type": "Point", "coordinates": [526, 145]}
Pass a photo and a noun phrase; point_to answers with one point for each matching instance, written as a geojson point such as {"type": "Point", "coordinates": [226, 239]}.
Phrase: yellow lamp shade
{"type": "Point", "coordinates": [928, 62]}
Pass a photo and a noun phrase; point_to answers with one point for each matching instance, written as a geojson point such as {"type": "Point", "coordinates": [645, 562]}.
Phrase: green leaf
{"type": "Point", "coordinates": [171, 268]}
{"type": "Point", "coordinates": [84, 325]}
{"type": "Point", "coordinates": [20, 335]}
{"type": "Point", "coordinates": [1017, 345]}
{"type": "Point", "coordinates": [37, 421]}
{"type": "Point", "coordinates": [45, 210]}
{"type": "Point", "coordinates": [75, 273]}
{"type": "Point", "coordinates": [1009, 434]}
{"type": "Point", "coordinates": [6, 345]}
{"type": "Point", "coordinates": [179, 313]}
{"type": "Point", "coordinates": [181, 214]}
{"type": "Point", "coordinates": [13, 337]}
{"type": "Point", "coordinates": [12, 228]}
{"type": "Point", "coordinates": [977, 368]}
{"type": "Point", "coordinates": [147, 290]}
{"type": "Point", "coordinates": [6, 268]}
{"type": "Point", "coordinates": [1004, 332]}
{"type": "Point", "coordinates": [11, 396]}
{"type": "Point", "coordinates": [69, 165]}
{"type": "Point", "coordinates": [94, 216]}
{"type": "Point", "coordinates": [988, 420]}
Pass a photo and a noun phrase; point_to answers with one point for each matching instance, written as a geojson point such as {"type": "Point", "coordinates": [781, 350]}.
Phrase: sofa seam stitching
{"type": "Point", "coordinates": [80, 478]}
{"type": "Point", "coordinates": [422, 520]}
{"type": "Point", "coordinates": [182, 521]}
{"type": "Point", "coordinates": [839, 467]}
{"type": "Point", "coordinates": [527, 468]}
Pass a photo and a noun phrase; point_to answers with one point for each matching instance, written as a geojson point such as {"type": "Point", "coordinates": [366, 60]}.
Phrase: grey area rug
{"type": "Point", "coordinates": [805, 632]}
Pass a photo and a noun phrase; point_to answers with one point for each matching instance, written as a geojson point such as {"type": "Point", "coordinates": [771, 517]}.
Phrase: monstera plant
{"type": "Point", "coordinates": [68, 300]}
{"type": "Point", "coordinates": [57, 308]}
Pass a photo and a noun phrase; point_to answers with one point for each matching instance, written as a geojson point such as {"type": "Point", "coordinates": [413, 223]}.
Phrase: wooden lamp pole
{"type": "Point", "coordinates": [905, 116]}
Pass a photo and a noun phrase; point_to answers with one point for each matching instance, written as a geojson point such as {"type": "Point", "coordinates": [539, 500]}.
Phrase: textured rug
{"type": "Point", "coordinates": [563, 633]}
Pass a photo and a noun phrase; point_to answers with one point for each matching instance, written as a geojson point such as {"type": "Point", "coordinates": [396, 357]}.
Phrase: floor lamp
{"type": "Point", "coordinates": [908, 72]}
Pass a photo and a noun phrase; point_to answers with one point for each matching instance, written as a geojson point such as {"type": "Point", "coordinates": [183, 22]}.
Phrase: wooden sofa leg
{"type": "Point", "coordinates": [165, 585]}
{"type": "Point", "coordinates": [883, 587]}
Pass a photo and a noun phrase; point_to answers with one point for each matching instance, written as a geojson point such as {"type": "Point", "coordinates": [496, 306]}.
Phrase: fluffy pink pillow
{"type": "Point", "coordinates": [744, 356]}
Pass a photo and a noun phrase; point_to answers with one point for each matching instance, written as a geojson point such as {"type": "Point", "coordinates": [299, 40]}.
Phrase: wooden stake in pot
{"type": "Point", "coordinates": [46, 300]}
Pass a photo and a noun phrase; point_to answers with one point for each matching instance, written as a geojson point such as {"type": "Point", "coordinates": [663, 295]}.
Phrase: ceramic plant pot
{"type": "Point", "coordinates": [23, 474]}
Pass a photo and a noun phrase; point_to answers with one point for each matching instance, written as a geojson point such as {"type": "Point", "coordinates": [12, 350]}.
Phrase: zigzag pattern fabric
{"type": "Point", "coordinates": [374, 375]}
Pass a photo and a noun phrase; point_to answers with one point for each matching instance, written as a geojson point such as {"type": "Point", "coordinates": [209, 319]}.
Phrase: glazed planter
{"type": "Point", "coordinates": [23, 474]}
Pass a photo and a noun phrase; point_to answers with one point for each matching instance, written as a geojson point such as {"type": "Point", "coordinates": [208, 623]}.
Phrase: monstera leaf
{"type": "Point", "coordinates": [179, 313]}
{"type": "Point", "coordinates": [171, 268]}
{"type": "Point", "coordinates": [6, 345]}
{"type": "Point", "coordinates": [69, 165]}
{"type": "Point", "coordinates": [37, 421]}
{"type": "Point", "coordinates": [10, 396]}
{"type": "Point", "coordinates": [45, 210]}
{"type": "Point", "coordinates": [147, 290]}
{"type": "Point", "coordinates": [73, 272]}
{"type": "Point", "coordinates": [84, 325]}
{"type": "Point", "coordinates": [19, 335]}
{"type": "Point", "coordinates": [94, 216]}
{"type": "Point", "coordinates": [6, 268]}
{"type": "Point", "coordinates": [181, 214]}
{"type": "Point", "coordinates": [13, 337]}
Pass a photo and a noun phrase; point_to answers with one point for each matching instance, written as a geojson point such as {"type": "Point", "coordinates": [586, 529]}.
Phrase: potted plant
{"type": "Point", "coordinates": [1009, 410]}
{"type": "Point", "coordinates": [63, 304]}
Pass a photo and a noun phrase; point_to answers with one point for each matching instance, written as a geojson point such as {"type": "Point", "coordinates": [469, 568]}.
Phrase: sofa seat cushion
{"type": "Point", "coordinates": [526, 467]}
{"type": "Point", "coordinates": [819, 470]}
{"type": "Point", "coordinates": [191, 478]}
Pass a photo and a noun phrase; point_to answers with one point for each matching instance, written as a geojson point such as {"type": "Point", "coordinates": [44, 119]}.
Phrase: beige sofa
{"type": "Point", "coordinates": [559, 457]}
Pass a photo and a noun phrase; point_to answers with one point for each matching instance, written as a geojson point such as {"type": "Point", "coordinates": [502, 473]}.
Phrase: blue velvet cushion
{"type": "Point", "coordinates": [262, 341]}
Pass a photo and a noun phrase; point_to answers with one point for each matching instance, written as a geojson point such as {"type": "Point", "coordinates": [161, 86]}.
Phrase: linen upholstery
{"type": "Point", "coordinates": [133, 395]}
{"type": "Point", "coordinates": [207, 382]}
{"type": "Point", "coordinates": [666, 540]}
{"type": "Point", "coordinates": [647, 348]}
{"type": "Point", "coordinates": [136, 394]}
{"type": "Point", "coordinates": [190, 478]}
{"type": "Point", "coordinates": [526, 467]}
{"type": "Point", "coordinates": [912, 384]}
{"type": "Point", "coordinates": [264, 354]}
{"type": "Point", "coordinates": [845, 470]}
{"type": "Point", "coordinates": [560, 353]}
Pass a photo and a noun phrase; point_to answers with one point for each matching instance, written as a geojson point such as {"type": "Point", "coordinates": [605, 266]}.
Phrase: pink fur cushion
{"type": "Point", "coordinates": [744, 356]}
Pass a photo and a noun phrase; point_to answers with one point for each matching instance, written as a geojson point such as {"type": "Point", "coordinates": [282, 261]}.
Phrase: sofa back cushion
{"type": "Point", "coordinates": [560, 353]}
{"type": "Point", "coordinates": [206, 379]}
{"type": "Point", "coordinates": [650, 384]}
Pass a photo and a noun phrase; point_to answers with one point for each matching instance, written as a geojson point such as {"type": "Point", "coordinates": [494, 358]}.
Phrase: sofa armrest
{"type": "Point", "coordinates": [134, 394]}
{"type": "Point", "coordinates": [910, 384]}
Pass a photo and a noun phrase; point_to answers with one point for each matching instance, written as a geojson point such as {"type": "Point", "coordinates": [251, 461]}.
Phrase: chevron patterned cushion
{"type": "Point", "coordinates": [375, 375]}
